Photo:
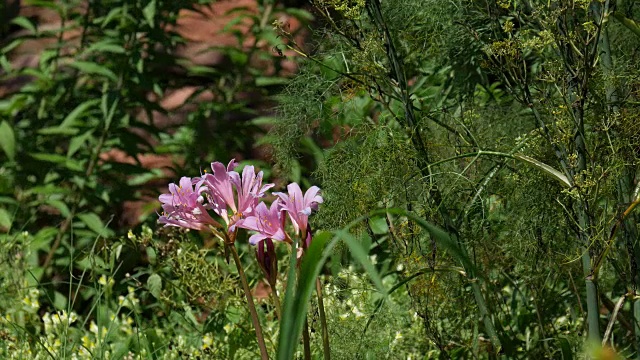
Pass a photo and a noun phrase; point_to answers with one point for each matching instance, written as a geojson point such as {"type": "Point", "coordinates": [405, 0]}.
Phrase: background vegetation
{"type": "Point", "coordinates": [483, 156]}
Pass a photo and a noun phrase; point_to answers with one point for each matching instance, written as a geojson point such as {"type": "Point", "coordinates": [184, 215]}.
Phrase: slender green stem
{"type": "Point", "coordinates": [252, 306]}
{"type": "Point", "coordinates": [323, 321]}
{"type": "Point", "coordinates": [306, 341]}
{"type": "Point", "coordinates": [276, 301]}
{"type": "Point", "coordinates": [636, 322]}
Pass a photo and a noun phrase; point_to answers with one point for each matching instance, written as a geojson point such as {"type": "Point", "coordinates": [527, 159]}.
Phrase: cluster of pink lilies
{"type": "Point", "coordinates": [236, 200]}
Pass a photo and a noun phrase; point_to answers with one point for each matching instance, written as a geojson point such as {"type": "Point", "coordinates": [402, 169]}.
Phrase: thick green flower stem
{"type": "Point", "coordinates": [252, 306]}
{"type": "Point", "coordinates": [323, 322]}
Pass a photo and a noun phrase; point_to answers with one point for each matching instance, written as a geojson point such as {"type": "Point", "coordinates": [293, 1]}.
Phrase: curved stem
{"type": "Point", "coordinates": [252, 307]}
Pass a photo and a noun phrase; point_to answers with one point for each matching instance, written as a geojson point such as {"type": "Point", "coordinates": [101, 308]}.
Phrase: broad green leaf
{"type": "Point", "coordinates": [90, 68]}
{"type": "Point", "coordinates": [149, 13]}
{"type": "Point", "coordinates": [7, 140]}
{"type": "Point", "coordinates": [154, 284]}
{"type": "Point", "coordinates": [94, 223]}
{"type": "Point", "coordinates": [5, 220]}
{"type": "Point", "coordinates": [43, 238]}
{"type": "Point", "coordinates": [60, 301]}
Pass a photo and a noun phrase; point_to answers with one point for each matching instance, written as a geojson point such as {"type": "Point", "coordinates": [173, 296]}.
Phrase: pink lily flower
{"type": "Point", "coordinates": [266, 222]}
{"type": "Point", "coordinates": [183, 207]}
{"type": "Point", "coordinates": [249, 189]}
{"type": "Point", "coordinates": [219, 188]}
{"type": "Point", "coordinates": [299, 206]}
{"type": "Point", "coordinates": [220, 185]}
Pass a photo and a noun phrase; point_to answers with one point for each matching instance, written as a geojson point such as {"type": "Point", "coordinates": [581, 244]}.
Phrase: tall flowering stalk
{"type": "Point", "coordinates": [235, 200]}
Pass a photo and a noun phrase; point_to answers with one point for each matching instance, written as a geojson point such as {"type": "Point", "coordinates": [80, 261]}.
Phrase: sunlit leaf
{"type": "Point", "coordinates": [7, 140]}
{"type": "Point", "coordinates": [25, 23]}
{"type": "Point", "coordinates": [154, 284]}
{"type": "Point", "coordinates": [5, 219]}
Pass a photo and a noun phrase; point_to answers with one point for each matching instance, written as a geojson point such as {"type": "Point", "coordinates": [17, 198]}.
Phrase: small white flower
{"type": "Point", "coordinates": [357, 312]}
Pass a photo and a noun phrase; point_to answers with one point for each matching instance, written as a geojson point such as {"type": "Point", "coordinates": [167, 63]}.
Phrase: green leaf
{"type": "Point", "coordinates": [442, 238]}
{"type": "Point", "coordinates": [7, 140]}
{"type": "Point", "coordinates": [56, 130]}
{"type": "Point", "coordinates": [628, 23]}
{"type": "Point", "coordinates": [12, 45]}
{"type": "Point", "coordinates": [5, 64]}
{"type": "Point", "coordinates": [77, 142]}
{"type": "Point", "coordinates": [264, 120]}
{"type": "Point", "coordinates": [565, 347]}
{"type": "Point", "coordinates": [60, 301]}
{"type": "Point", "coordinates": [94, 223]}
{"type": "Point", "coordinates": [545, 168]}
{"type": "Point", "coordinates": [297, 296]}
{"type": "Point", "coordinates": [75, 165]}
{"type": "Point", "coordinates": [5, 220]}
{"type": "Point", "coordinates": [90, 68]}
{"type": "Point", "coordinates": [114, 14]}
{"type": "Point", "coordinates": [54, 158]}
{"type": "Point", "coordinates": [75, 114]}
{"type": "Point", "coordinates": [271, 81]}
{"type": "Point", "coordinates": [43, 238]}
{"type": "Point", "coordinates": [60, 206]}
{"type": "Point", "coordinates": [25, 23]}
{"type": "Point", "coordinates": [154, 284]}
{"type": "Point", "coordinates": [149, 13]}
